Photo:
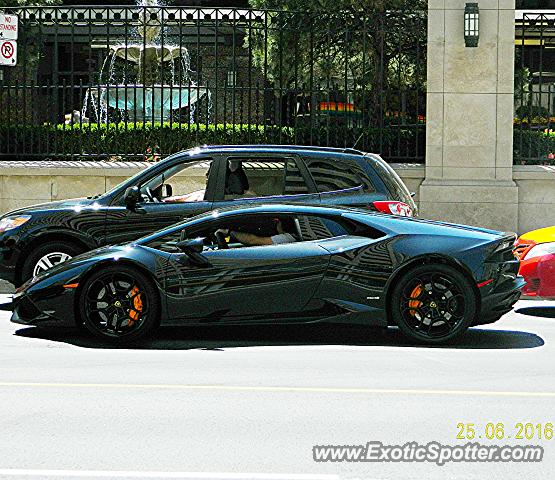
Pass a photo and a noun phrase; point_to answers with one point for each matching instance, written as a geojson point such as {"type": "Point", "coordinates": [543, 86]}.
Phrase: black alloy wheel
{"type": "Point", "coordinates": [433, 304]}
{"type": "Point", "coordinates": [119, 304]}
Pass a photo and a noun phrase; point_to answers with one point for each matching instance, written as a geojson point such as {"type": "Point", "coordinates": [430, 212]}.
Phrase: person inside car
{"type": "Point", "coordinates": [253, 240]}
{"type": "Point", "coordinates": [196, 196]}
{"type": "Point", "coordinates": [236, 181]}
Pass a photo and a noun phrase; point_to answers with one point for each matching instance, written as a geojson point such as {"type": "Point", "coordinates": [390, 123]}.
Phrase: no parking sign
{"type": "Point", "coordinates": [8, 52]}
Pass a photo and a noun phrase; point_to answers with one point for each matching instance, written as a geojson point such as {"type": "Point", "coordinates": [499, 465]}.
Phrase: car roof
{"type": "Point", "coordinates": [267, 148]}
{"type": "Point", "coordinates": [288, 208]}
{"type": "Point", "coordinates": [275, 208]}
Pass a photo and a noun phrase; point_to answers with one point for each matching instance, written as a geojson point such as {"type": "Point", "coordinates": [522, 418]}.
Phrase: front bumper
{"type": "Point", "coordinates": [8, 261]}
{"type": "Point", "coordinates": [48, 312]}
{"type": "Point", "coordinates": [539, 273]}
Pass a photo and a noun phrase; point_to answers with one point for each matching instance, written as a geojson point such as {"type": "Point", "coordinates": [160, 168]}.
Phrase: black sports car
{"type": "Point", "coordinates": [284, 263]}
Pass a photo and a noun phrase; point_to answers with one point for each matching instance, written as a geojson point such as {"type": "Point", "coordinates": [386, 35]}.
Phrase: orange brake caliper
{"type": "Point", "coordinates": [415, 303]}
{"type": "Point", "coordinates": [137, 306]}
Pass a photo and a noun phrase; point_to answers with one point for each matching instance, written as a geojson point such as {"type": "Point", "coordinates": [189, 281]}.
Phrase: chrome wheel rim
{"type": "Point", "coordinates": [115, 304]}
{"type": "Point", "coordinates": [50, 260]}
{"type": "Point", "coordinates": [433, 305]}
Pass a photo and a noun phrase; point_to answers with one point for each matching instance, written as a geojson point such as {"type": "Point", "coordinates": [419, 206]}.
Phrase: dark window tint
{"type": "Point", "coordinates": [167, 243]}
{"type": "Point", "coordinates": [393, 183]}
{"type": "Point", "coordinates": [331, 175]}
{"type": "Point", "coordinates": [318, 228]}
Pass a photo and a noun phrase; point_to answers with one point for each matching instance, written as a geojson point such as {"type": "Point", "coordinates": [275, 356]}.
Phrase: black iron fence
{"type": "Point", "coordinates": [136, 82]}
{"type": "Point", "coordinates": [534, 119]}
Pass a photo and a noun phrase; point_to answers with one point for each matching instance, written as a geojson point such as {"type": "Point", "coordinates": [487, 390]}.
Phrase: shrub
{"type": "Point", "coordinates": [141, 140]}
{"type": "Point", "coordinates": [531, 111]}
{"type": "Point", "coordinates": [532, 147]}
{"type": "Point", "coordinates": [131, 139]}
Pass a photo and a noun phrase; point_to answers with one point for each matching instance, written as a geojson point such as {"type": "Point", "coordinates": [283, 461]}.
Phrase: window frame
{"type": "Point", "coordinates": [211, 183]}
{"type": "Point", "coordinates": [265, 157]}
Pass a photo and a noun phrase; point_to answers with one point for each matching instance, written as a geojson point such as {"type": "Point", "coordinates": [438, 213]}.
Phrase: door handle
{"type": "Point", "coordinates": [139, 210]}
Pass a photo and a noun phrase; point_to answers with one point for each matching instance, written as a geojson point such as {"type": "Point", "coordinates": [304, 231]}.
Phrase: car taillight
{"type": "Point", "coordinates": [392, 207]}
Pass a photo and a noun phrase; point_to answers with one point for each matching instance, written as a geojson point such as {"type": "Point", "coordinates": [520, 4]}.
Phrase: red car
{"type": "Point", "coordinates": [536, 251]}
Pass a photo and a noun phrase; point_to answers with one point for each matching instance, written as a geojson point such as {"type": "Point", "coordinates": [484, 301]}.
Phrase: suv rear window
{"type": "Point", "coordinates": [391, 180]}
{"type": "Point", "coordinates": [331, 175]}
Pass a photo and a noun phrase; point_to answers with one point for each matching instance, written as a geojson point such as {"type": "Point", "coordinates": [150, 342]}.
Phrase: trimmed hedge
{"type": "Point", "coordinates": [102, 140]}
{"type": "Point", "coordinates": [531, 111]}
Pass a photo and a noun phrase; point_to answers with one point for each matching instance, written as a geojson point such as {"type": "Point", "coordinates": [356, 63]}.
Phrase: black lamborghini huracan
{"type": "Point", "coordinates": [283, 263]}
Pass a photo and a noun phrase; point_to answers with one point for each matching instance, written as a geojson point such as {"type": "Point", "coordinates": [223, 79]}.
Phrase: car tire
{"type": "Point", "coordinates": [433, 304]}
{"type": "Point", "coordinates": [50, 252]}
{"type": "Point", "coordinates": [119, 304]}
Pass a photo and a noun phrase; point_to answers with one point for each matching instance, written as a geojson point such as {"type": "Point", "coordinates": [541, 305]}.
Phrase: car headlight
{"type": "Point", "coordinates": [541, 249]}
{"type": "Point", "coordinates": [8, 223]}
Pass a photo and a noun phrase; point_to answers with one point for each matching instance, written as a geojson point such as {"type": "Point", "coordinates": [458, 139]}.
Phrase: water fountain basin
{"type": "Point", "coordinates": [148, 103]}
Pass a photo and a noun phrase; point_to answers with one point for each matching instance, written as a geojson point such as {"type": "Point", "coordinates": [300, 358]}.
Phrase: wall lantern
{"type": "Point", "coordinates": [471, 24]}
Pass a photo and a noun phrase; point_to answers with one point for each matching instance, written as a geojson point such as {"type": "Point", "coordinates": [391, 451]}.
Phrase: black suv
{"type": "Point", "coordinates": [33, 239]}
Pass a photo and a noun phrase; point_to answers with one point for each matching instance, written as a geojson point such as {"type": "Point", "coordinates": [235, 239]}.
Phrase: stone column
{"type": "Point", "coordinates": [469, 132]}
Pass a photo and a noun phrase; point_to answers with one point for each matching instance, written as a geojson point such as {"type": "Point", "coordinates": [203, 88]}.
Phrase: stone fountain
{"type": "Point", "coordinates": [154, 80]}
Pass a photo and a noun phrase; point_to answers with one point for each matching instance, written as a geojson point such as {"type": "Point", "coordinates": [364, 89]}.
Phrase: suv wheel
{"type": "Point", "coordinates": [47, 256]}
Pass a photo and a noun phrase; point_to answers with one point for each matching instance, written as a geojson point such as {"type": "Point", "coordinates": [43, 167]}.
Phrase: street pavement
{"type": "Point", "coordinates": [251, 402]}
{"type": "Point", "coordinates": [6, 287]}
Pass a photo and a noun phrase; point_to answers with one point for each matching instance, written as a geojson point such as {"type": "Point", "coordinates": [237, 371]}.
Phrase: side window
{"type": "Point", "coordinates": [248, 177]}
{"type": "Point", "coordinates": [184, 182]}
{"type": "Point", "coordinates": [318, 228]}
{"type": "Point", "coordinates": [167, 243]}
{"type": "Point", "coordinates": [241, 231]}
{"type": "Point", "coordinates": [332, 175]}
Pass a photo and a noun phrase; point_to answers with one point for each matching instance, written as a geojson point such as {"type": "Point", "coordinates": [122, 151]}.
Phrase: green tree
{"type": "Point", "coordinates": [365, 46]}
{"type": "Point", "coordinates": [30, 43]}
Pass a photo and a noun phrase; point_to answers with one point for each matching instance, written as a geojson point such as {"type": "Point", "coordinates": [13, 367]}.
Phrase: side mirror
{"type": "Point", "coordinates": [193, 249]}
{"type": "Point", "coordinates": [131, 197]}
{"type": "Point", "coordinates": [193, 245]}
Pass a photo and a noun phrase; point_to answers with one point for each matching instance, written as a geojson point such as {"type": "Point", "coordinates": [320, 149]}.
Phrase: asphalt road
{"type": "Point", "coordinates": [251, 402]}
{"type": "Point", "coordinates": [6, 287]}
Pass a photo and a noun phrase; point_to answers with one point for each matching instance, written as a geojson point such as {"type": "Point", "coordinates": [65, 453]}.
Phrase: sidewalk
{"type": "Point", "coordinates": [6, 287]}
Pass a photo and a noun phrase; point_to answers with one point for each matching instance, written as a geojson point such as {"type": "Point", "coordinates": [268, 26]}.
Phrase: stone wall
{"type": "Point", "coordinates": [536, 196]}
{"type": "Point", "coordinates": [469, 117]}
{"type": "Point", "coordinates": [29, 183]}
